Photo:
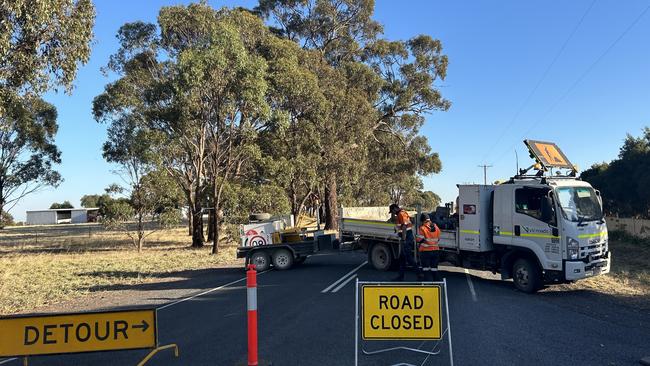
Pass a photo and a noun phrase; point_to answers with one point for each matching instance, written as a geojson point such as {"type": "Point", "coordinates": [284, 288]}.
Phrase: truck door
{"type": "Point", "coordinates": [502, 214]}
{"type": "Point", "coordinates": [534, 228]}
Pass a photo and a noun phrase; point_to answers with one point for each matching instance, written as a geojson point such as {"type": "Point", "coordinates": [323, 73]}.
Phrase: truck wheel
{"type": "Point", "coordinates": [526, 275]}
{"type": "Point", "coordinates": [381, 257]}
{"type": "Point", "coordinates": [261, 260]}
{"type": "Point", "coordinates": [282, 259]}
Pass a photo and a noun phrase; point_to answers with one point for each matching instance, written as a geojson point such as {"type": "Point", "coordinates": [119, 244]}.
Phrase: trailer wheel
{"type": "Point", "coordinates": [261, 260]}
{"type": "Point", "coordinates": [380, 257]}
{"type": "Point", "coordinates": [526, 275]}
{"type": "Point", "coordinates": [282, 259]}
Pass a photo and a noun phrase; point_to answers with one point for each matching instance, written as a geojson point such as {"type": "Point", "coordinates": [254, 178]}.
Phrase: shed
{"type": "Point", "coordinates": [61, 216]}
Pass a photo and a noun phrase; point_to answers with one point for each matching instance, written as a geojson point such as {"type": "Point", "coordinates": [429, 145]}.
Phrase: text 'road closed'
{"type": "Point", "coordinates": [401, 312]}
{"type": "Point", "coordinates": [72, 333]}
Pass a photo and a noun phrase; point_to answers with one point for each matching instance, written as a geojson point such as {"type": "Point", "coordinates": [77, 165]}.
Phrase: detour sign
{"type": "Point", "coordinates": [72, 333]}
{"type": "Point", "coordinates": [401, 312]}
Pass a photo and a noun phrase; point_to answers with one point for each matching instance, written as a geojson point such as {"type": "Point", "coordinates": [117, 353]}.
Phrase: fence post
{"type": "Point", "coordinates": [251, 289]}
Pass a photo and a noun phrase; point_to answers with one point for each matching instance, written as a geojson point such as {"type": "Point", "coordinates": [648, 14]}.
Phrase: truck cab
{"type": "Point", "coordinates": [550, 229]}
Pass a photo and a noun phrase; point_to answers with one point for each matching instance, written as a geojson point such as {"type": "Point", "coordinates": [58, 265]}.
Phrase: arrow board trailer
{"type": "Point", "coordinates": [534, 229]}
{"type": "Point", "coordinates": [266, 243]}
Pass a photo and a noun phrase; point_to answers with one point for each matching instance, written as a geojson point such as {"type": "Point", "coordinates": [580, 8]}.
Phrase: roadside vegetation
{"type": "Point", "coordinates": [629, 278]}
{"type": "Point", "coordinates": [69, 266]}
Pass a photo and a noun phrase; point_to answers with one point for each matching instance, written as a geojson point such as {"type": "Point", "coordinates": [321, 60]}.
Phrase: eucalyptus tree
{"type": "Point", "coordinates": [384, 90]}
{"type": "Point", "coordinates": [41, 47]}
{"type": "Point", "coordinates": [196, 85]}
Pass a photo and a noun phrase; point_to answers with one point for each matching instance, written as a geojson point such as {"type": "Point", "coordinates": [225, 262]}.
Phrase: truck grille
{"type": "Point", "coordinates": [596, 251]}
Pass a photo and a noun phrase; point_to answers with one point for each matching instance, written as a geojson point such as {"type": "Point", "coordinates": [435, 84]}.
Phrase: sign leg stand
{"type": "Point", "coordinates": [451, 352]}
{"type": "Point", "coordinates": [156, 350]}
{"type": "Point", "coordinates": [356, 322]}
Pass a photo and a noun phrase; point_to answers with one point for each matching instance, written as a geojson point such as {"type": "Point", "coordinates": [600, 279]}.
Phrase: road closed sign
{"type": "Point", "coordinates": [74, 333]}
{"type": "Point", "coordinates": [401, 312]}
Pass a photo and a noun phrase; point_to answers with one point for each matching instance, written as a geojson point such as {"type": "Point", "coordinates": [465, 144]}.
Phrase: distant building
{"type": "Point", "coordinates": [62, 216]}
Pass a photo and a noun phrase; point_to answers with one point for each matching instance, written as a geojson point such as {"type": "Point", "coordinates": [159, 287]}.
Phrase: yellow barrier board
{"type": "Point", "coordinates": [401, 312]}
{"type": "Point", "coordinates": [74, 333]}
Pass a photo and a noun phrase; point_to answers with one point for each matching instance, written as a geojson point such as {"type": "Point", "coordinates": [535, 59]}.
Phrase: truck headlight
{"type": "Point", "coordinates": [573, 247]}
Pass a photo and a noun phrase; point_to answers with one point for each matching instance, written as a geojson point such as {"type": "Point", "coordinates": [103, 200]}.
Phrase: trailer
{"type": "Point", "coordinates": [277, 243]}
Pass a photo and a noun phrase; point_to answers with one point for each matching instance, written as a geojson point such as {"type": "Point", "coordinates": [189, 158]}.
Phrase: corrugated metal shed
{"type": "Point", "coordinates": [59, 216]}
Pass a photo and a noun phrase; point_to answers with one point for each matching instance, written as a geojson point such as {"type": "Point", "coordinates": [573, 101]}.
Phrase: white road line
{"type": "Point", "coordinates": [8, 360]}
{"type": "Point", "coordinates": [471, 285]}
{"type": "Point", "coordinates": [343, 278]}
{"type": "Point", "coordinates": [205, 292]}
{"type": "Point", "coordinates": [344, 283]}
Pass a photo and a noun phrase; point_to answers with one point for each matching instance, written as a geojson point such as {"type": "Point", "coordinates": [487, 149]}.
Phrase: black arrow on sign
{"type": "Point", "coordinates": [144, 326]}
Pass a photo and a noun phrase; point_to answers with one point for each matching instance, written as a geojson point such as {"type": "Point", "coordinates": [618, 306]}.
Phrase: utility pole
{"type": "Point", "coordinates": [485, 172]}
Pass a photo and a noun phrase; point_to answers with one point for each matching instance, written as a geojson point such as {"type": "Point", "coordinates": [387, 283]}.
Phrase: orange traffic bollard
{"type": "Point", "coordinates": [251, 287]}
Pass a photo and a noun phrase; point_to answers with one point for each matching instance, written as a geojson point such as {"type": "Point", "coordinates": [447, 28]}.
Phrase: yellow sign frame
{"type": "Point", "coordinates": [548, 154]}
{"type": "Point", "coordinates": [395, 289]}
{"type": "Point", "coordinates": [14, 332]}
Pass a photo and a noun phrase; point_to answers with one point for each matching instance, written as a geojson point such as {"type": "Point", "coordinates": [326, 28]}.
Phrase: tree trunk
{"type": "Point", "coordinates": [215, 221]}
{"type": "Point", "coordinates": [211, 218]}
{"type": "Point", "coordinates": [189, 220]}
{"type": "Point", "coordinates": [331, 203]}
{"type": "Point", "coordinates": [197, 225]}
{"type": "Point", "coordinates": [140, 229]}
{"type": "Point", "coordinates": [140, 242]}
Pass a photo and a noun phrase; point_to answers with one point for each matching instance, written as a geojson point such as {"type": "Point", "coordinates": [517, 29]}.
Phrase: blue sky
{"type": "Point", "coordinates": [498, 52]}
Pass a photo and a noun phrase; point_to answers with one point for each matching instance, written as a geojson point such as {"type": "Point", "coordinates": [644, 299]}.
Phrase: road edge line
{"type": "Point", "coordinates": [8, 360]}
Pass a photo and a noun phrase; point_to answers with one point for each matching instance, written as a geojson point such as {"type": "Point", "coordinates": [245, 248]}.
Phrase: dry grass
{"type": "Point", "coordinates": [61, 267]}
{"type": "Point", "coordinates": [629, 278]}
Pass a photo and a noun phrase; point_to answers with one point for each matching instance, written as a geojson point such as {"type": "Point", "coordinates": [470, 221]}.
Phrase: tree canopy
{"type": "Point", "coordinates": [313, 106]}
{"type": "Point", "coordinates": [41, 47]}
{"type": "Point", "coordinates": [624, 181]}
{"type": "Point", "coordinates": [64, 204]}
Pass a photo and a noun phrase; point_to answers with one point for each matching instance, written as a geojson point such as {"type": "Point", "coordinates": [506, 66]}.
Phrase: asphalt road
{"type": "Point", "coordinates": [302, 324]}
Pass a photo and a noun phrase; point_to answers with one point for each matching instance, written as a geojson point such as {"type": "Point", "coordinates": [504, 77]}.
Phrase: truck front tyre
{"type": "Point", "coordinates": [261, 260]}
{"type": "Point", "coordinates": [526, 275]}
{"type": "Point", "coordinates": [380, 257]}
{"type": "Point", "coordinates": [282, 259]}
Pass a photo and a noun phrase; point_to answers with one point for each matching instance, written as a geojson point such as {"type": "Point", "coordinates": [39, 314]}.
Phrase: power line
{"type": "Point", "coordinates": [541, 79]}
{"type": "Point", "coordinates": [484, 166]}
{"type": "Point", "coordinates": [579, 79]}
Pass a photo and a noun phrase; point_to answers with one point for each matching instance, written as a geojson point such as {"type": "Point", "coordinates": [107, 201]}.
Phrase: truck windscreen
{"type": "Point", "coordinates": [579, 203]}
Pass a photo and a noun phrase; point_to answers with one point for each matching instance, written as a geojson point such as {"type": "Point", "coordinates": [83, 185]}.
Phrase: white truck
{"type": "Point", "coordinates": [535, 229]}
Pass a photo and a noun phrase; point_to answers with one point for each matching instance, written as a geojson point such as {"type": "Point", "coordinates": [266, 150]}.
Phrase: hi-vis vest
{"type": "Point", "coordinates": [403, 218]}
{"type": "Point", "coordinates": [428, 239]}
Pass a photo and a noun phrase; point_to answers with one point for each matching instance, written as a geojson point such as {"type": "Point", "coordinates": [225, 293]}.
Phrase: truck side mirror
{"type": "Point", "coordinates": [600, 198]}
{"type": "Point", "coordinates": [547, 209]}
{"type": "Point", "coordinates": [600, 202]}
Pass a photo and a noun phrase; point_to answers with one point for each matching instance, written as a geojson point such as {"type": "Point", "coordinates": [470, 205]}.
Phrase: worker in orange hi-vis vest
{"type": "Point", "coordinates": [404, 228]}
{"type": "Point", "coordinates": [428, 238]}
